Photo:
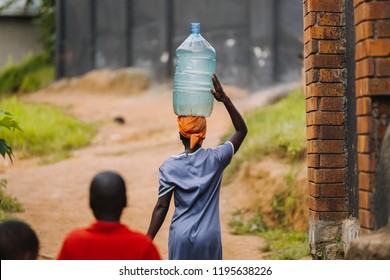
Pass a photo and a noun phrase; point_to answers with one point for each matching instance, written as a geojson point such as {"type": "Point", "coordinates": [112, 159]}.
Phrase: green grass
{"type": "Point", "coordinates": [8, 204]}
{"type": "Point", "coordinates": [281, 243]}
{"type": "Point", "coordinates": [33, 73]}
{"type": "Point", "coordinates": [37, 79]}
{"type": "Point", "coordinates": [286, 201]}
{"type": "Point", "coordinates": [278, 129]}
{"type": "Point", "coordinates": [291, 174]}
{"type": "Point", "coordinates": [287, 245]}
{"type": "Point", "coordinates": [47, 131]}
{"type": "Point", "coordinates": [240, 227]}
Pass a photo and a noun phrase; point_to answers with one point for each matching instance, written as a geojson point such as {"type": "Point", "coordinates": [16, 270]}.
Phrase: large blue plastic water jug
{"type": "Point", "coordinates": [192, 81]}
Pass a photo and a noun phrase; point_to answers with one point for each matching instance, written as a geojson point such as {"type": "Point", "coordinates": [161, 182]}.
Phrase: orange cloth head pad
{"type": "Point", "coordinates": [193, 128]}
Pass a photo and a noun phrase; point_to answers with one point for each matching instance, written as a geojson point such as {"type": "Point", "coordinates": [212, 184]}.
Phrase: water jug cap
{"type": "Point", "coordinates": [195, 28]}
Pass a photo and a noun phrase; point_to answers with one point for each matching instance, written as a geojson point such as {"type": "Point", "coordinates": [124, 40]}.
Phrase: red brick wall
{"type": "Point", "coordinates": [325, 75]}
{"type": "Point", "coordinates": [372, 29]}
{"type": "Point", "coordinates": [338, 167]}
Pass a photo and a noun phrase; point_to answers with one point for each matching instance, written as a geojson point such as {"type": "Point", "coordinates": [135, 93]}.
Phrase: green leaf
{"type": "Point", "coordinates": [5, 149]}
{"type": "Point", "coordinates": [10, 123]}
{"type": "Point", "coordinates": [2, 112]}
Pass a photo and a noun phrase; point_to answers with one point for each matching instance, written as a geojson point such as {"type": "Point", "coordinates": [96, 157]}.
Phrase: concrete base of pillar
{"type": "Point", "coordinates": [331, 239]}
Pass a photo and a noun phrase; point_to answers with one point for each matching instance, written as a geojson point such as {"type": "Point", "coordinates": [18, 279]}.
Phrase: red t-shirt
{"type": "Point", "coordinates": [107, 241]}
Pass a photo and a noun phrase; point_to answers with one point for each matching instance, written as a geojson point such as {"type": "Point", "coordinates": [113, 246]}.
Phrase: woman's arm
{"type": "Point", "coordinates": [159, 213]}
{"type": "Point", "coordinates": [238, 122]}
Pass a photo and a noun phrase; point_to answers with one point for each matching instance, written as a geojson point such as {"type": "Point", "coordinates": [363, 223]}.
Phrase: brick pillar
{"type": "Point", "coordinates": [327, 135]}
{"type": "Point", "coordinates": [372, 20]}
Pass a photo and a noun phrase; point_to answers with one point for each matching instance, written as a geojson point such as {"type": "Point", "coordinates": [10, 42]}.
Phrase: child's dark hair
{"type": "Point", "coordinates": [18, 241]}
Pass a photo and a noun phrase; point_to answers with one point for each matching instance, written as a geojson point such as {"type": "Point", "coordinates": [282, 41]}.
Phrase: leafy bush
{"type": "Point", "coordinates": [46, 129]}
{"type": "Point", "coordinates": [30, 75]}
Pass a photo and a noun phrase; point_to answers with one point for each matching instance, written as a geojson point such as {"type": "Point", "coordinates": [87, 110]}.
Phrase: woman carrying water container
{"type": "Point", "coordinates": [194, 176]}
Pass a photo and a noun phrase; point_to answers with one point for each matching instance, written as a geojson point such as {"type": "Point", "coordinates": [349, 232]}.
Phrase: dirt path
{"type": "Point", "coordinates": [55, 197]}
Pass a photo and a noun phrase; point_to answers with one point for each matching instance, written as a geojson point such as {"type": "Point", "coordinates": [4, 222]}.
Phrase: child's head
{"type": "Point", "coordinates": [18, 241]}
{"type": "Point", "coordinates": [107, 196]}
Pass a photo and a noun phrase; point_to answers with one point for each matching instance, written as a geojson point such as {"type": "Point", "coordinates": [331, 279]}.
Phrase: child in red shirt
{"type": "Point", "coordinates": [107, 238]}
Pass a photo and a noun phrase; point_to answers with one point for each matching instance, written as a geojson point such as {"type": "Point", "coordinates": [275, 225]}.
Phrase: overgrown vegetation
{"type": "Point", "coordinates": [287, 245]}
{"type": "Point", "coordinates": [8, 204]}
{"type": "Point", "coordinates": [282, 244]}
{"type": "Point", "coordinates": [285, 202]}
{"type": "Point", "coordinates": [278, 130]}
{"type": "Point", "coordinates": [46, 130]}
{"type": "Point", "coordinates": [32, 74]}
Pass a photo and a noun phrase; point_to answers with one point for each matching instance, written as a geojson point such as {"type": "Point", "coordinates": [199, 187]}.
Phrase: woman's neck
{"type": "Point", "coordinates": [188, 150]}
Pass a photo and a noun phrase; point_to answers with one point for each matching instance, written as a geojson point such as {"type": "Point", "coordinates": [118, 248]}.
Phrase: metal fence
{"type": "Point", "coordinates": [258, 42]}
